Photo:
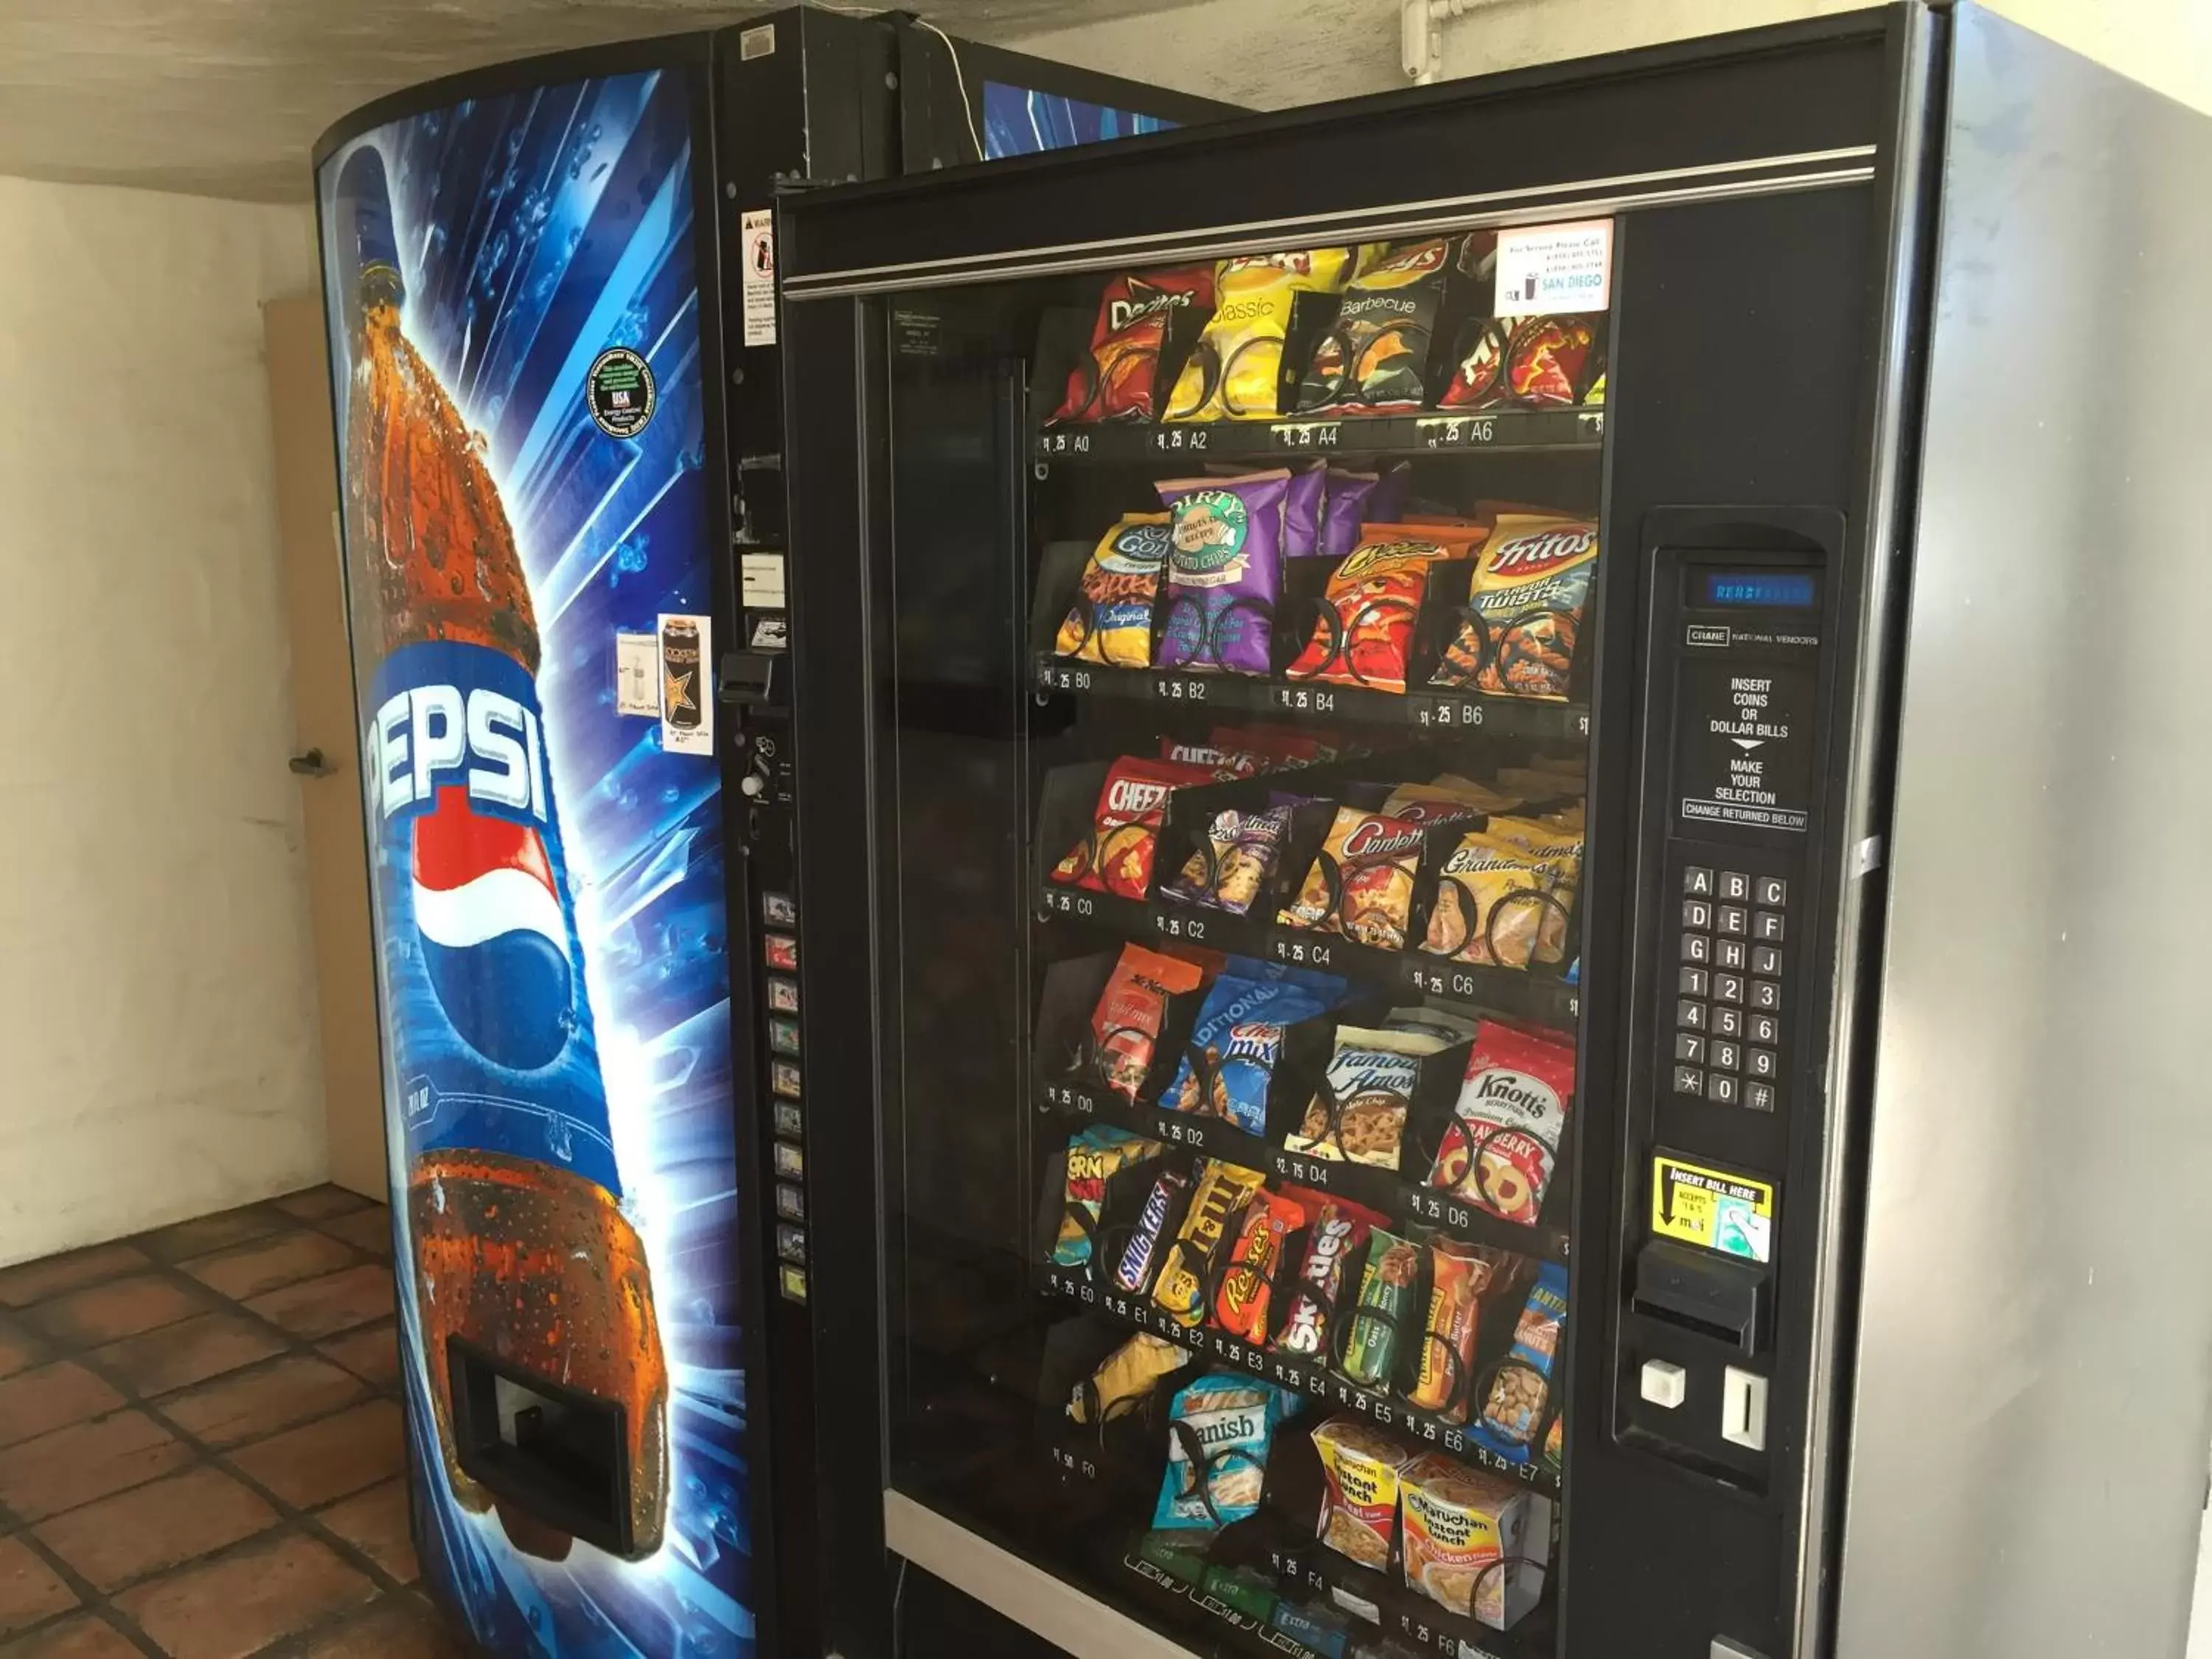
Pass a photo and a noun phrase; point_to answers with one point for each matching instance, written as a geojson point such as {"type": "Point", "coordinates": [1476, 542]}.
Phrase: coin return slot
{"type": "Point", "coordinates": [553, 1458]}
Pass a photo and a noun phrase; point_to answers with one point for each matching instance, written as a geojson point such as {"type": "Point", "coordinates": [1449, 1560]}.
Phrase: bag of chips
{"type": "Point", "coordinates": [1241, 851]}
{"type": "Point", "coordinates": [1533, 362]}
{"type": "Point", "coordinates": [1358, 1114]}
{"type": "Point", "coordinates": [1383, 1311]}
{"type": "Point", "coordinates": [1224, 571]}
{"type": "Point", "coordinates": [1125, 1378]}
{"type": "Point", "coordinates": [1126, 1024]}
{"type": "Point", "coordinates": [1376, 357]}
{"type": "Point", "coordinates": [1521, 1392]}
{"type": "Point", "coordinates": [1343, 511]}
{"type": "Point", "coordinates": [1446, 799]}
{"type": "Point", "coordinates": [1365, 634]}
{"type": "Point", "coordinates": [1474, 1544]}
{"type": "Point", "coordinates": [1340, 1228]}
{"type": "Point", "coordinates": [1301, 503]}
{"type": "Point", "coordinates": [1236, 370]}
{"type": "Point", "coordinates": [1246, 1292]}
{"type": "Point", "coordinates": [1094, 1157]}
{"type": "Point", "coordinates": [1238, 1037]}
{"type": "Point", "coordinates": [1361, 884]}
{"type": "Point", "coordinates": [1460, 1277]}
{"type": "Point", "coordinates": [1504, 903]}
{"type": "Point", "coordinates": [1220, 1430]}
{"type": "Point", "coordinates": [1518, 633]}
{"type": "Point", "coordinates": [1359, 1467]}
{"type": "Point", "coordinates": [1283, 745]}
{"type": "Point", "coordinates": [1223, 763]}
{"type": "Point", "coordinates": [1117, 857]}
{"type": "Point", "coordinates": [1112, 620]}
{"type": "Point", "coordinates": [1118, 379]}
{"type": "Point", "coordinates": [1499, 1147]}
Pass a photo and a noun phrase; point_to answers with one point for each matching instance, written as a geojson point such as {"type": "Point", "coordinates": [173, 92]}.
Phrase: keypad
{"type": "Point", "coordinates": [1728, 990]}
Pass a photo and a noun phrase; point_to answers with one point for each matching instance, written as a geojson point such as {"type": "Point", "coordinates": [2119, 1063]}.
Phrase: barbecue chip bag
{"type": "Point", "coordinates": [1220, 1430]}
{"type": "Point", "coordinates": [1126, 1024]}
{"type": "Point", "coordinates": [1499, 1147]}
{"type": "Point", "coordinates": [1361, 884]}
{"type": "Point", "coordinates": [1234, 371]}
{"type": "Point", "coordinates": [1112, 620]}
{"type": "Point", "coordinates": [1224, 571]}
{"type": "Point", "coordinates": [1376, 357]}
{"type": "Point", "coordinates": [1365, 634]}
{"type": "Point", "coordinates": [1119, 380]}
{"type": "Point", "coordinates": [1117, 857]}
{"type": "Point", "coordinates": [1525, 612]}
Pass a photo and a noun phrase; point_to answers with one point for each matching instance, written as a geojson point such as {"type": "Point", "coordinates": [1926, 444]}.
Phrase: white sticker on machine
{"type": "Point", "coordinates": [1555, 268]}
{"type": "Point", "coordinates": [761, 577]}
{"type": "Point", "coordinates": [687, 701]}
{"type": "Point", "coordinates": [756, 274]}
{"type": "Point", "coordinates": [637, 675]}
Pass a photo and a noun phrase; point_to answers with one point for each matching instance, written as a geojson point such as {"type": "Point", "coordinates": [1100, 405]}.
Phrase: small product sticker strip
{"type": "Point", "coordinates": [1712, 1209]}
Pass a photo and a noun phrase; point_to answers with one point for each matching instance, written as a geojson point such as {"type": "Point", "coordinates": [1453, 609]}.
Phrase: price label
{"type": "Point", "coordinates": [1169, 439]}
{"type": "Point", "coordinates": [1070, 904]}
{"type": "Point", "coordinates": [1456, 1440]}
{"type": "Point", "coordinates": [1174, 688]}
{"type": "Point", "coordinates": [1064, 443]}
{"type": "Point", "coordinates": [1304, 952]}
{"type": "Point", "coordinates": [1581, 725]}
{"type": "Point", "coordinates": [1317, 1172]}
{"type": "Point", "coordinates": [1454, 713]}
{"type": "Point", "coordinates": [1458, 431]}
{"type": "Point", "coordinates": [1183, 1131]}
{"type": "Point", "coordinates": [1176, 927]}
{"type": "Point", "coordinates": [1439, 979]}
{"type": "Point", "coordinates": [1307, 434]}
{"type": "Point", "coordinates": [1435, 1206]}
{"type": "Point", "coordinates": [1054, 676]}
{"type": "Point", "coordinates": [1305, 699]}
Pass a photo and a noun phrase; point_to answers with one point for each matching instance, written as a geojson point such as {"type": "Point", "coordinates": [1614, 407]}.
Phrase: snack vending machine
{"type": "Point", "coordinates": [552, 311]}
{"type": "Point", "coordinates": [1464, 761]}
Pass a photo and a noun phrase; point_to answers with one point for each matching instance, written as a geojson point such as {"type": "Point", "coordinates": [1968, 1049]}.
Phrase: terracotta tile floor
{"type": "Point", "coordinates": [201, 1445]}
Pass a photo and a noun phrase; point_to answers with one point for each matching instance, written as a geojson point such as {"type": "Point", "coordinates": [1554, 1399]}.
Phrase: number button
{"type": "Point", "coordinates": [1766, 1029]}
{"type": "Point", "coordinates": [1697, 947]}
{"type": "Point", "coordinates": [1733, 919]}
{"type": "Point", "coordinates": [1767, 927]}
{"type": "Point", "coordinates": [1731, 953]}
{"type": "Point", "coordinates": [1728, 988]}
{"type": "Point", "coordinates": [1690, 1016]}
{"type": "Point", "coordinates": [1695, 983]}
{"type": "Point", "coordinates": [1697, 883]}
{"type": "Point", "coordinates": [1759, 1096]}
{"type": "Point", "coordinates": [1727, 1057]}
{"type": "Point", "coordinates": [1696, 912]}
{"type": "Point", "coordinates": [1772, 891]}
{"type": "Point", "coordinates": [1689, 1047]}
{"type": "Point", "coordinates": [1735, 887]}
{"type": "Point", "coordinates": [1689, 1080]}
{"type": "Point", "coordinates": [1765, 959]}
{"type": "Point", "coordinates": [1721, 1090]}
{"type": "Point", "coordinates": [1727, 1023]}
{"type": "Point", "coordinates": [1762, 1063]}
{"type": "Point", "coordinates": [1765, 995]}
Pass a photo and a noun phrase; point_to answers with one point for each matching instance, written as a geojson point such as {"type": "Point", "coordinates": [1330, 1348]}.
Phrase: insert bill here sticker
{"type": "Point", "coordinates": [1712, 1209]}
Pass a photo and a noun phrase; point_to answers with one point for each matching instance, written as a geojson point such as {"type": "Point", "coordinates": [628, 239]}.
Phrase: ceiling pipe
{"type": "Point", "coordinates": [1420, 33]}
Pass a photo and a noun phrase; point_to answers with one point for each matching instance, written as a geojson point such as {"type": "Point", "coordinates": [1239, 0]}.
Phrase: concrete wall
{"type": "Point", "coordinates": [157, 1034]}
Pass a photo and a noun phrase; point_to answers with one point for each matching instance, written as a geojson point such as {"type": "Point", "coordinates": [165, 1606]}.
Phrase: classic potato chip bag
{"type": "Point", "coordinates": [1500, 902]}
{"type": "Point", "coordinates": [1224, 571]}
{"type": "Point", "coordinates": [1234, 370]}
{"type": "Point", "coordinates": [1376, 357]}
{"type": "Point", "coordinates": [1525, 612]}
{"type": "Point", "coordinates": [1126, 1024]}
{"type": "Point", "coordinates": [1112, 619]}
{"type": "Point", "coordinates": [1117, 857]}
{"type": "Point", "coordinates": [1361, 883]}
{"type": "Point", "coordinates": [1118, 379]}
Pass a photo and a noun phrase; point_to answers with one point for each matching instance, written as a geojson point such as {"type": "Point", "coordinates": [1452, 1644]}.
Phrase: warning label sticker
{"type": "Point", "coordinates": [1712, 1209]}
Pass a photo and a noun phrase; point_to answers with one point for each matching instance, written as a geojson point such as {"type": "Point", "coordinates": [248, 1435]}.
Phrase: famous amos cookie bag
{"type": "Point", "coordinates": [1118, 379]}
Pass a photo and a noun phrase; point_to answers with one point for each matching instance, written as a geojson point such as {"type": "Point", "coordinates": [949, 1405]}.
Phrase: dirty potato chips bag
{"type": "Point", "coordinates": [1518, 632]}
{"type": "Point", "coordinates": [1112, 620]}
{"type": "Point", "coordinates": [1376, 357]}
{"type": "Point", "coordinates": [1234, 371]}
{"type": "Point", "coordinates": [1224, 571]}
{"type": "Point", "coordinates": [1119, 380]}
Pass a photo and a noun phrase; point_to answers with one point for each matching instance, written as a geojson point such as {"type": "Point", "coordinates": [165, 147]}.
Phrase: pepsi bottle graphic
{"type": "Point", "coordinates": [534, 1296]}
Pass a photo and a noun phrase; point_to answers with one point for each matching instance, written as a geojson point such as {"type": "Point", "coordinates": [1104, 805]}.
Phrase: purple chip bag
{"type": "Point", "coordinates": [1344, 512]}
{"type": "Point", "coordinates": [1224, 571]}
{"type": "Point", "coordinates": [1390, 493]}
{"type": "Point", "coordinates": [1302, 505]}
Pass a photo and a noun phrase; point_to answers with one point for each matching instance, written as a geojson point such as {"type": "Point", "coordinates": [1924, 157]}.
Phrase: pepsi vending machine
{"type": "Point", "coordinates": [552, 313]}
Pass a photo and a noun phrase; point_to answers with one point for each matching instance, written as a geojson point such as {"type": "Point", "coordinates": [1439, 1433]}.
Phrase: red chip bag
{"type": "Point", "coordinates": [1126, 1024]}
{"type": "Point", "coordinates": [1117, 857]}
{"type": "Point", "coordinates": [1116, 381]}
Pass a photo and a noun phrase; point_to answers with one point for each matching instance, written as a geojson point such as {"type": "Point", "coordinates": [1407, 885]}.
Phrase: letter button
{"type": "Point", "coordinates": [1772, 891]}
{"type": "Point", "coordinates": [1697, 947]}
{"type": "Point", "coordinates": [1730, 953]}
{"type": "Point", "coordinates": [1735, 887]}
{"type": "Point", "coordinates": [1696, 912]}
{"type": "Point", "coordinates": [1696, 883]}
{"type": "Point", "coordinates": [1766, 926]}
{"type": "Point", "coordinates": [1765, 959]}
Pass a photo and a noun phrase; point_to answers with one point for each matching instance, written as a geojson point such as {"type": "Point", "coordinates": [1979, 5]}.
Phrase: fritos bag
{"type": "Point", "coordinates": [1117, 855]}
{"type": "Point", "coordinates": [1119, 380]}
{"type": "Point", "coordinates": [1112, 620]}
{"type": "Point", "coordinates": [1525, 614]}
{"type": "Point", "coordinates": [1234, 370]}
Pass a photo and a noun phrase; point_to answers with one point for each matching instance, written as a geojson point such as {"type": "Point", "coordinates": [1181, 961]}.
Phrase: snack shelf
{"type": "Point", "coordinates": [1378, 1188]}
{"type": "Point", "coordinates": [1312, 1379]}
{"type": "Point", "coordinates": [1544, 998]}
{"type": "Point", "coordinates": [1434, 431]}
{"type": "Point", "coordinates": [1417, 711]}
{"type": "Point", "coordinates": [1303, 1566]}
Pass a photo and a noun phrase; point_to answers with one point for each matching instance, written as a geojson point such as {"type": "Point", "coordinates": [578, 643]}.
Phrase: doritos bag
{"type": "Point", "coordinates": [1118, 379]}
{"type": "Point", "coordinates": [1234, 371]}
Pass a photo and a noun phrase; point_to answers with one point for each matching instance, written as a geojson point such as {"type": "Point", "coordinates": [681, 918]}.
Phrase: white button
{"type": "Point", "coordinates": [1743, 1409]}
{"type": "Point", "coordinates": [752, 785]}
{"type": "Point", "coordinates": [1665, 1383]}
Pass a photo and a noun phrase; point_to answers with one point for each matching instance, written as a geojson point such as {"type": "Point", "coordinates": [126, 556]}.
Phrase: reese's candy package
{"type": "Point", "coordinates": [1358, 1113]}
{"type": "Point", "coordinates": [1246, 1293]}
{"type": "Point", "coordinates": [1119, 380]}
{"type": "Point", "coordinates": [1474, 1543]}
{"type": "Point", "coordinates": [1112, 620]}
{"type": "Point", "coordinates": [1222, 1193]}
{"type": "Point", "coordinates": [1234, 370]}
{"type": "Point", "coordinates": [1503, 902]}
{"type": "Point", "coordinates": [1125, 1378]}
{"type": "Point", "coordinates": [1140, 1255]}
{"type": "Point", "coordinates": [1093, 1159]}
{"type": "Point", "coordinates": [1359, 1466]}
{"type": "Point", "coordinates": [1361, 883]}
{"type": "Point", "coordinates": [1376, 357]}
{"type": "Point", "coordinates": [1365, 634]}
{"type": "Point", "coordinates": [1220, 1430]}
{"type": "Point", "coordinates": [1242, 849]}
{"type": "Point", "coordinates": [1125, 1025]}
{"type": "Point", "coordinates": [1340, 1228]}
{"type": "Point", "coordinates": [1460, 1277]}
{"type": "Point", "coordinates": [1117, 855]}
{"type": "Point", "coordinates": [1499, 1147]}
{"type": "Point", "coordinates": [1224, 571]}
{"type": "Point", "coordinates": [1525, 612]}
{"type": "Point", "coordinates": [1239, 1038]}
{"type": "Point", "coordinates": [1384, 1310]}
{"type": "Point", "coordinates": [1521, 1391]}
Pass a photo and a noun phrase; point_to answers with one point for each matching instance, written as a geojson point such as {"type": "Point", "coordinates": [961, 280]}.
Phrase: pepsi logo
{"type": "Point", "coordinates": [422, 737]}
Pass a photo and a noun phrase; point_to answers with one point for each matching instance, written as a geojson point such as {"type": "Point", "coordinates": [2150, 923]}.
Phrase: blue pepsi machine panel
{"type": "Point", "coordinates": [1022, 121]}
{"type": "Point", "coordinates": [513, 298]}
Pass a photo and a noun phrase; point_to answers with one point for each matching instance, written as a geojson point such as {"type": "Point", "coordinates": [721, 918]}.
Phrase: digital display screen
{"type": "Point", "coordinates": [1766, 590]}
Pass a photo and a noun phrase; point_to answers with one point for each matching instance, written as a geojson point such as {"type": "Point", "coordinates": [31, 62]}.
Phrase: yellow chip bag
{"type": "Point", "coordinates": [1506, 896]}
{"type": "Point", "coordinates": [1234, 371]}
{"type": "Point", "coordinates": [1112, 619]}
